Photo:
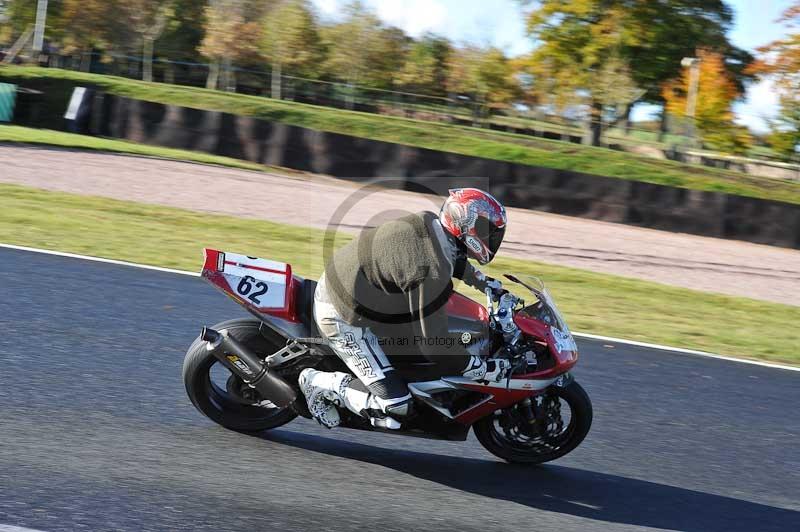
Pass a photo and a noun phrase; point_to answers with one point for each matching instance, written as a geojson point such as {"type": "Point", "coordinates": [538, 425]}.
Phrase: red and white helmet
{"type": "Point", "coordinates": [477, 220]}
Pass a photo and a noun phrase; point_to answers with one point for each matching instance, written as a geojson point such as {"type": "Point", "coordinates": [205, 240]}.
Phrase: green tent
{"type": "Point", "coordinates": [8, 96]}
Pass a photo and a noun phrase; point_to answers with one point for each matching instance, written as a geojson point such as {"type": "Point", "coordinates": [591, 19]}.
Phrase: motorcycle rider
{"type": "Point", "coordinates": [401, 272]}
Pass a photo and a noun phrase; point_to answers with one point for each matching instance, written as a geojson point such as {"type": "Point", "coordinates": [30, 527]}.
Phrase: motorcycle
{"type": "Point", "coordinates": [242, 373]}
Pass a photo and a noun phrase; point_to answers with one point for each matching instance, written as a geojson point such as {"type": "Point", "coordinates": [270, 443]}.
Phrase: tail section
{"type": "Point", "coordinates": [260, 285]}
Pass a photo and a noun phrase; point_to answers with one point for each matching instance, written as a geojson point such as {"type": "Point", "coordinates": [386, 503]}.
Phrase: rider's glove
{"type": "Point", "coordinates": [496, 287]}
{"type": "Point", "coordinates": [484, 281]}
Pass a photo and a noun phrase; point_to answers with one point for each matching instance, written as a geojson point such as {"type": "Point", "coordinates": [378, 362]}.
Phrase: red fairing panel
{"type": "Point", "coordinates": [564, 360]}
{"type": "Point", "coordinates": [500, 399]}
{"type": "Point", "coordinates": [260, 285]}
{"type": "Point", "coordinates": [461, 306]}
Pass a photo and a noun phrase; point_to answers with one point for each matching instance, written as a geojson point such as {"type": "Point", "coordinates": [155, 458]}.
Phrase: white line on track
{"type": "Point", "coordinates": [100, 259]}
{"type": "Point", "coordinates": [580, 335]}
{"type": "Point", "coordinates": [685, 351]}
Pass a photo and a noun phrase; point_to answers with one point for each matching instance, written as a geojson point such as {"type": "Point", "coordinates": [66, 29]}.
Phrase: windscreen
{"type": "Point", "coordinates": [545, 310]}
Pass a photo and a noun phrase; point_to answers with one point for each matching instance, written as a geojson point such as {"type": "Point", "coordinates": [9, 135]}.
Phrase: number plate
{"type": "Point", "coordinates": [259, 282]}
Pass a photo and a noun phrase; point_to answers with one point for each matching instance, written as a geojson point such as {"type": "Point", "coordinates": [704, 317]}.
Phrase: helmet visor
{"type": "Point", "coordinates": [490, 234]}
{"type": "Point", "coordinates": [495, 239]}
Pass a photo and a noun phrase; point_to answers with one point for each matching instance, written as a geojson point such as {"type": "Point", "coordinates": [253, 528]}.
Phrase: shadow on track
{"type": "Point", "coordinates": [564, 490]}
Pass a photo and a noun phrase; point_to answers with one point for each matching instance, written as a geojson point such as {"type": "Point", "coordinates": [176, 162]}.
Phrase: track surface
{"type": "Point", "coordinates": [709, 264]}
{"type": "Point", "coordinates": [97, 434]}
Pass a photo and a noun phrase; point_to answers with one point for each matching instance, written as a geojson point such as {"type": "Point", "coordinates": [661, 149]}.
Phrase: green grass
{"type": "Point", "coordinates": [592, 302]}
{"type": "Point", "coordinates": [24, 135]}
{"type": "Point", "coordinates": [57, 85]}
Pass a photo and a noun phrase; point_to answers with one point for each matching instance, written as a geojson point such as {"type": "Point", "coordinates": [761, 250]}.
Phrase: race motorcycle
{"type": "Point", "coordinates": [242, 373]}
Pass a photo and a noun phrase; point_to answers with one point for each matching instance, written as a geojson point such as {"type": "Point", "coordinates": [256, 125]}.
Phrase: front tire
{"type": "Point", "coordinates": [506, 435]}
{"type": "Point", "coordinates": [223, 402]}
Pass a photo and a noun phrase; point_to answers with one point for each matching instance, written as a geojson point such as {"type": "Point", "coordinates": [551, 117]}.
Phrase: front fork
{"type": "Point", "coordinates": [531, 408]}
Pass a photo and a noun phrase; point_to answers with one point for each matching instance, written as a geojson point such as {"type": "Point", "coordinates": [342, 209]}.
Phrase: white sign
{"type": "Point", "coordinates": [75, 103]}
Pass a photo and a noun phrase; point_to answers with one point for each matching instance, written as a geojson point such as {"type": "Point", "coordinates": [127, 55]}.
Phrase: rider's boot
{"type": "Point", "coordinates": [325, 391]}
{"type": "Point", "coordinates": [492, 370]}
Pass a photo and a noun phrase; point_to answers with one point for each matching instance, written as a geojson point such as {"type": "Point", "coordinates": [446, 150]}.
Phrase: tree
{"type": "Point", "coordinates": [780, 61]}
{"type": "Point", "coordinates": [485, 74]}
{"type": "Point", "coordinates": [148, 19]}
{"type": "Point", "coordinates": [576, 40]}
{"type": "Point", "coordinates": [291, 40]}
{"type": "Point", "coordinates": [88, 25]}
{"type": "Point", "coordinates": [646, 39]}
{"type": "Point", "coordinates": [184, 32]}
{"type": "Point", "coordinates": [717, 90]}
{"type": "Point", "coordinates": [362, 51]}
{"type": "Point", "coordinates": [230, 34]}
{"type": "Point", "coordinates": [17, 15]}
{"type": "Point", "coordinates": [426, 67]}
{"type": "Point", "coordinates": [182, 36]}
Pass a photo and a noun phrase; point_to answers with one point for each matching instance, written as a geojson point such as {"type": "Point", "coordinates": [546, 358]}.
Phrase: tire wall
{"type": "Point", "coordinates": [544, 189]}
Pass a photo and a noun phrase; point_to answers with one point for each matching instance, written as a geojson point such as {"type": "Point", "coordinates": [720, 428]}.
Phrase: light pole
{"type": "Point", "coordinates": [693, 64]}
{"type": "Point", "coordinates": [38, 33]}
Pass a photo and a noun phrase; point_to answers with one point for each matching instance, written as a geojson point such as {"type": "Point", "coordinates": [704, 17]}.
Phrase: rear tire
{"type": "Point", "coordinates": [547, 448]}
{"type": "Point", "coordinates": [217, 402]}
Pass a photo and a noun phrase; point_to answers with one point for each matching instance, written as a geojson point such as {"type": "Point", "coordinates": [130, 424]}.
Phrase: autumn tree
{"type": "Point", "coordinates": [577, 39]}
{"type": "Point", "coordinates": [147, 19]}
{"type": "Point", "coordinates": [716, 93]}
{"type": "Point", "coordinates": [780, 62]}
{"type": "Point", "coordinates": [291, 40]}
{"type": "Point", "coordinates": [16, 16]}
{"type": "Point", "coordinates": [231, 33]}
{"type": "Point", "coordinates": [670, 31]}
{"type": "Point", "coordinates": [362, 51]}
{"type": "Point", "coordinates": [426, 66]}
{"type": "Point", "coordinates": [184, 32]}
{"type": "Point", "coordinates": [89, 25]}
{"type": "Point", "coordinates": [485, 74]}
{"type": "Point", "coordinates": [182, 36]}
{"type": "Point", "coordinates": [643, 41]}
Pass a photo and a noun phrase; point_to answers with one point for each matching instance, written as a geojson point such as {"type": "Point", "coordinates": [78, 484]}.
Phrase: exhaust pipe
{"type": "Point", "coordinates": [249, 367]}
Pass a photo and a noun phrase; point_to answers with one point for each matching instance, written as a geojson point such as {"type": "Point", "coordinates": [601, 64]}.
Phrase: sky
{"type": "Point", "coordinates": [500, 23]}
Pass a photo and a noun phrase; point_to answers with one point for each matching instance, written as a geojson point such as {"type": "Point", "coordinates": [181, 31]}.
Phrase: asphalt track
{"type": "Point", "coordinates": [96, 433]}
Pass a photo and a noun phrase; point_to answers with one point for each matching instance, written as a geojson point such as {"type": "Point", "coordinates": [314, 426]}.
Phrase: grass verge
{"type": "Point", "coordinates": [24, 135]}
{"type": "Point", "coordinates": [57, 85]}
{"type": "Point", "coordinates": [592, 302]}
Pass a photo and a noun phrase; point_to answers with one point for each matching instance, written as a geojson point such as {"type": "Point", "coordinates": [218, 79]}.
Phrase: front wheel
{"type": "Point", "coordinates": [223, 397]}
{"type": "Point", "coordinates": [563, 418]}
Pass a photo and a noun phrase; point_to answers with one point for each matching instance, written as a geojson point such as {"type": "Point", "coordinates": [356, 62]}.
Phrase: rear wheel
{"type": "Point", "coordinates": [563, 419]}
{"type": "Point", "coordinates": [225, 398]}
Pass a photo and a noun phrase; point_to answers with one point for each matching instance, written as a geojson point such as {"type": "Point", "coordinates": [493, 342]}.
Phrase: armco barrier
{"type": "Point", "coordinates": [545, 189]}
